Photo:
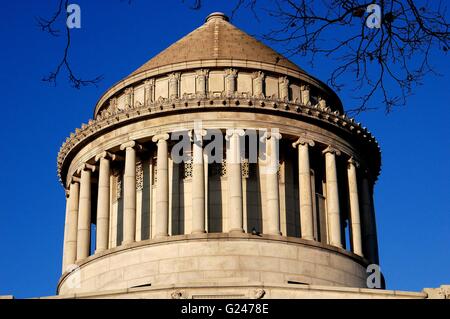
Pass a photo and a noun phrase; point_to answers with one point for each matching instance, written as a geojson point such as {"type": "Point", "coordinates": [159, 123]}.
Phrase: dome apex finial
{"type": "Point", "coordinates": [217, 15]}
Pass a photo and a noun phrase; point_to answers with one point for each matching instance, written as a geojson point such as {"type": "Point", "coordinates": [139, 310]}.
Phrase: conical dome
{"type": "Point", "coordinates": [217, 38]}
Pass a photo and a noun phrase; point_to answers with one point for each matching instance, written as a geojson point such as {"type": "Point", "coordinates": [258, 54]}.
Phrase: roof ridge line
{"type": "Point", "coordinates": [216, 38]}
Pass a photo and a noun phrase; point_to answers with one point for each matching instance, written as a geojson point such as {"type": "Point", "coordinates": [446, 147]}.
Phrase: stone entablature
{"type": "Point", "coordinates": [117, 117]}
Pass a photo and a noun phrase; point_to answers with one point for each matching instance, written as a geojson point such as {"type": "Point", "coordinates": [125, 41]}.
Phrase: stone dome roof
{"type": "Point", "coordinates": [217, 38]}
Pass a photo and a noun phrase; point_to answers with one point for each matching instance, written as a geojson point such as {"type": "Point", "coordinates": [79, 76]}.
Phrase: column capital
{"type": "Point", "coordinates": [353, 162]}
{"type": "Point", "coordinates": [268, 135]}
{"type": "Point", "coordinates": [283, 79]}
{"type": "Point", "coordinates": [197, 133]}
{"type": "Point", "coordinates": [232, 131]}
{"type": "Point", "coordinates": [231, 73]}
{"type": "Point", "coordinates": [202, 72]}
{"type": "Point", "coordinates": [150, 81]}
{"type": "Point", "coordinates": [85, 167]}
{"type": "Point", "coordinates": [159, 137]}
{"type": "Point", "coordinates": [303, 141]}
{"type": "Point", "coordinates": [304, 87]}
{"type": "Point", "coordinates": [332, 150]}
{"type": "Point", "coordinates": [258, 75]}
{"type": "Point", "coordinates": [106, 155]}
{"type": "Point", "coordinates": [130, 144]}
{"type": "Point", "coordinates": [174, 76]}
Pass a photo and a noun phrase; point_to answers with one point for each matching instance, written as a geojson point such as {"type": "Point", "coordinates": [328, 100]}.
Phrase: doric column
{"type": "Point", "coordinates": [162, 186]}
{"type": "Point", "coordinates": [354, 207]}
{"type": "Point", "coordinates": [234, 178]}
{"type": "Point", "coordinates": [332, 199]}
{"type": "Point", "coordinates": [198, 182]}
{"type": "Point", "coordinates": [272, 189]}
{"type": "Point", "coordinates": [84, 216]}
{"type": "Point", "coordinates": [103, 201]}
{"type": "Point", "coordinates": [129, 192]}
{"type": "Point", "coordinates": [369, 225]}
{"type": "Point", "coordinates": [305, 191]}
{"type": "Point", "coordinates": [70, 245]}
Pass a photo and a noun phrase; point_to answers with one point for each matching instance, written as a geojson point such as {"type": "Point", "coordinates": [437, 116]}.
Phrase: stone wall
{"type": "Point", "coordinates": [220, 258]}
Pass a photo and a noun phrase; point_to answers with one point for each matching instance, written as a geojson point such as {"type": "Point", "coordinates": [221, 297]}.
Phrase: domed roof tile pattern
{"type": "Point", "coordinates": [217, 39]}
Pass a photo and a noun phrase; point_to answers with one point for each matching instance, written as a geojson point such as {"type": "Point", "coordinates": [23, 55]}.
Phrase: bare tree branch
{"type": "Point", "coordinates": [196, 4]}
{"type": "Point", "coordinates": [386, 63]}
{"type": "Point", "coordinates": [249, 4]}
{"type": "Point", "coordinates": [48, 25]}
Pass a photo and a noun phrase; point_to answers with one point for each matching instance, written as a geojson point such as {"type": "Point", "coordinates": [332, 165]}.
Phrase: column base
{"type": "Point", "coordinates": [236, 230]}
{"type": "Point", "coordinates": [161, 235]}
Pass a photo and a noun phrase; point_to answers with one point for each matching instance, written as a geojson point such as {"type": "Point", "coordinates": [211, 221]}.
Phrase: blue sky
{"type": "Point", "coordinates": [411, 195]}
